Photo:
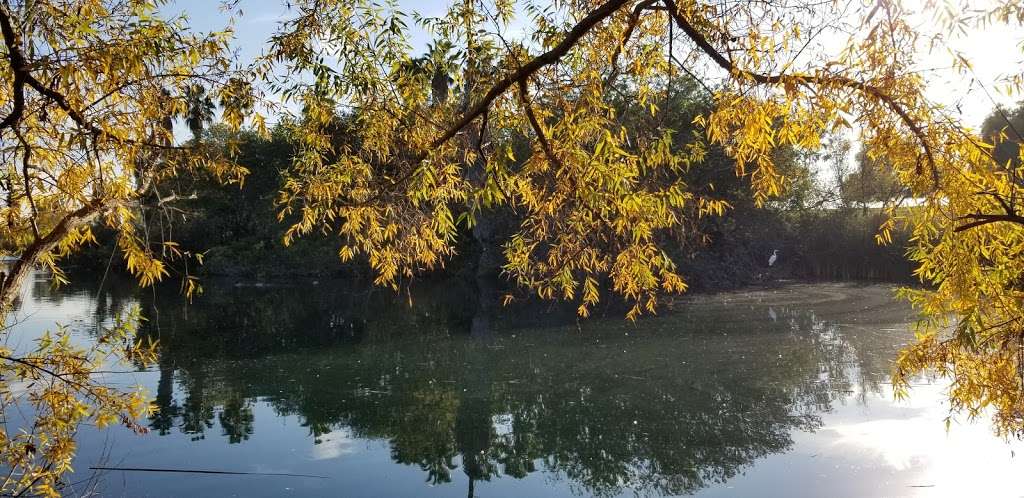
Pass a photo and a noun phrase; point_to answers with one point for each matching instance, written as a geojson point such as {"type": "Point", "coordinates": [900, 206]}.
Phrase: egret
{"type": "Point", "coordinates": [774, 257]}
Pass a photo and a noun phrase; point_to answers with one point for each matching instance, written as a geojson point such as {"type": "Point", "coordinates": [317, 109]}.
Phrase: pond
{"type": "Point", "coordinates": [769, 392]}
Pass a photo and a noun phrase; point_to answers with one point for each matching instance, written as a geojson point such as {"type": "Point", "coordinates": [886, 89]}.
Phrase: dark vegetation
{"type": "Point", "coordinates": [234, 226]}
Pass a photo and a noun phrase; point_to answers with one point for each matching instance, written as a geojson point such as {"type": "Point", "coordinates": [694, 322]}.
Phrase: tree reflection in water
{"type": "Point", "coordinates": [667, 406]}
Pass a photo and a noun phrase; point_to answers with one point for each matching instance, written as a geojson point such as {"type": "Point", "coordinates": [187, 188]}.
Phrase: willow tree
{"type": "Point", "coordinates": [89, 90]}
{"type": "Point", "coordinates": [593, 195]}
{"type": "Point", "coordinates": [528, 123]}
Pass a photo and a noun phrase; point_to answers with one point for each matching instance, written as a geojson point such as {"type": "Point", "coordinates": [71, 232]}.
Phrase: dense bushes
{"type": "Point", "coordinates": [820, 244]}
{"type": "Point", "coordinates": [234, 226]}
{"type": "Point", "coordinates": [841, 245]}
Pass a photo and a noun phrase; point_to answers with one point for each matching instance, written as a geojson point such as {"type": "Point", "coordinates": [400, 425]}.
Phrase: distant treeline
{"type": "Point", "coordinates": [821, 244]}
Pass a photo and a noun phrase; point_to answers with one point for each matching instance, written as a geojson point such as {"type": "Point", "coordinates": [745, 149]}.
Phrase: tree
{"type": "Point", "coordinates": [1003, 129]}
{"type": "Point", "coordinates": [89, 92]}
{"type": "Point", "coordinates": [594, 193]}
{"type": "Point", "coordinates": [870, 182]}
{"type": "Point", "coordinates": [88, 125]}
{"type": "Point", "coordinates": [199, 111]}
{"type": "Point", "coordinates": [92, 88]}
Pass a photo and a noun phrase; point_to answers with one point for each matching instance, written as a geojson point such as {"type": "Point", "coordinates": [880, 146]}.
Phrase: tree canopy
{"type": "Point", "coordinates": [594, 191]}
{"type": "Point", "coordinates": [518, 107]}
{"type": "Point", "coordinates": [89, 93]}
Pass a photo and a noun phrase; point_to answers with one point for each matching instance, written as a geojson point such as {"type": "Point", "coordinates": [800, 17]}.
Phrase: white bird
{"type": "Point", "coordinates": [774, 257]}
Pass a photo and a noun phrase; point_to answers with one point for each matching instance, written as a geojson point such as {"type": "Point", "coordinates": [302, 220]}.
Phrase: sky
{"type": "Point", "coordinates": [993, 52]}
{"type": "Point", "coordinates": [260, 17]}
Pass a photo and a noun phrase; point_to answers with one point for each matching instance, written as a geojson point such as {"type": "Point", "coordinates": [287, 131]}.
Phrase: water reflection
{"type": "Point", "coordinates": [667, 407]}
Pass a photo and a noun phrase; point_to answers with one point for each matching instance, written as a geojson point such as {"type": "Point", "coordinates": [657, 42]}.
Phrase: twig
{"type": "Point", "coordinates": [221, 472]}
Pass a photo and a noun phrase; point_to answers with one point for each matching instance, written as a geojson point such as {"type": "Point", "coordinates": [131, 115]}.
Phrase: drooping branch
{"type": "Point", "coordinates": [522, 73]}
{"type": "Point", "coordinates": [27, 179]}
{"type": "Point", "coordinates": [23, 76]}
{"type": "Point", "coordinates": [634, 20]}
{"type": "Point", "coordinates": [808, 80]}
{"type": "Point", "coordinates": [545, 145]}
{"type": "Point", "coordinates": [530, 68]}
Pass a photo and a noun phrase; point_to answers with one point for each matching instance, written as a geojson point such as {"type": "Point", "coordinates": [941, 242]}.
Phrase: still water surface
{"type": "Point", "coordinates": [772, 392]}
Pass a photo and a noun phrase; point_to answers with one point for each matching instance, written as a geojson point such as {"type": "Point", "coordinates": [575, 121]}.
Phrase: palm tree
{"type": "Point", "coordinates": [436, 64]}
{"type": "Point", "coordinates": [199, 111]}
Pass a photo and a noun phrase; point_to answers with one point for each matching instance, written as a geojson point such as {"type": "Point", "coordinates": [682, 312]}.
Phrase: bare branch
{"type": "Point", "coordinates": [985, 219]}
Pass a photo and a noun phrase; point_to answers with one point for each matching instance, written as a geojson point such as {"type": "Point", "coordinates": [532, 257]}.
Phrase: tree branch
{"type": "Point", "coordinates": [522, 73]}
{"type": "Point", "coordinates": [31, 255]}
{"type": "Point", "coordinates": [841, 81]}
{"type": "Point", "coordinates": [1007, 208]}
{"type": "Point", "coordinates": [25, 158]}
{"type": "Point", "coordinates": [18, 67]}
{"type": "Point", "coordinates": [985, 219]}
{"type": "Point", "coordinates": [634, 19]}
{"type": "Point", "coordinates": [537, 129]}
{"type": "Point", "coordinates": [22, 77]}
{"type": "Point", "coordinates": [547, 58]}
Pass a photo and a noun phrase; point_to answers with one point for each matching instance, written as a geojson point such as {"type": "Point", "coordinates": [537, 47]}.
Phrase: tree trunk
{"type": "Point", "coordinates": [11, 285]}
{"type": "Point", "coordinates": [489, 262]}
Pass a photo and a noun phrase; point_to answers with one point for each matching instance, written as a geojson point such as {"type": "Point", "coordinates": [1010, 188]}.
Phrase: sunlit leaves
{"type": "Point", "coordinates": [590, 196]}
{"type": "Point", "coordinates": [88, 131]}
{"type": "Point", "coordinates": [56, 380]}
{"type": "Point", "coordinates": [90, 92]}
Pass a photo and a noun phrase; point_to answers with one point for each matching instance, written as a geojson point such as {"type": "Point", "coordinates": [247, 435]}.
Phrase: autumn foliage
{"type": "Point", "coordinates": [520, 107]}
